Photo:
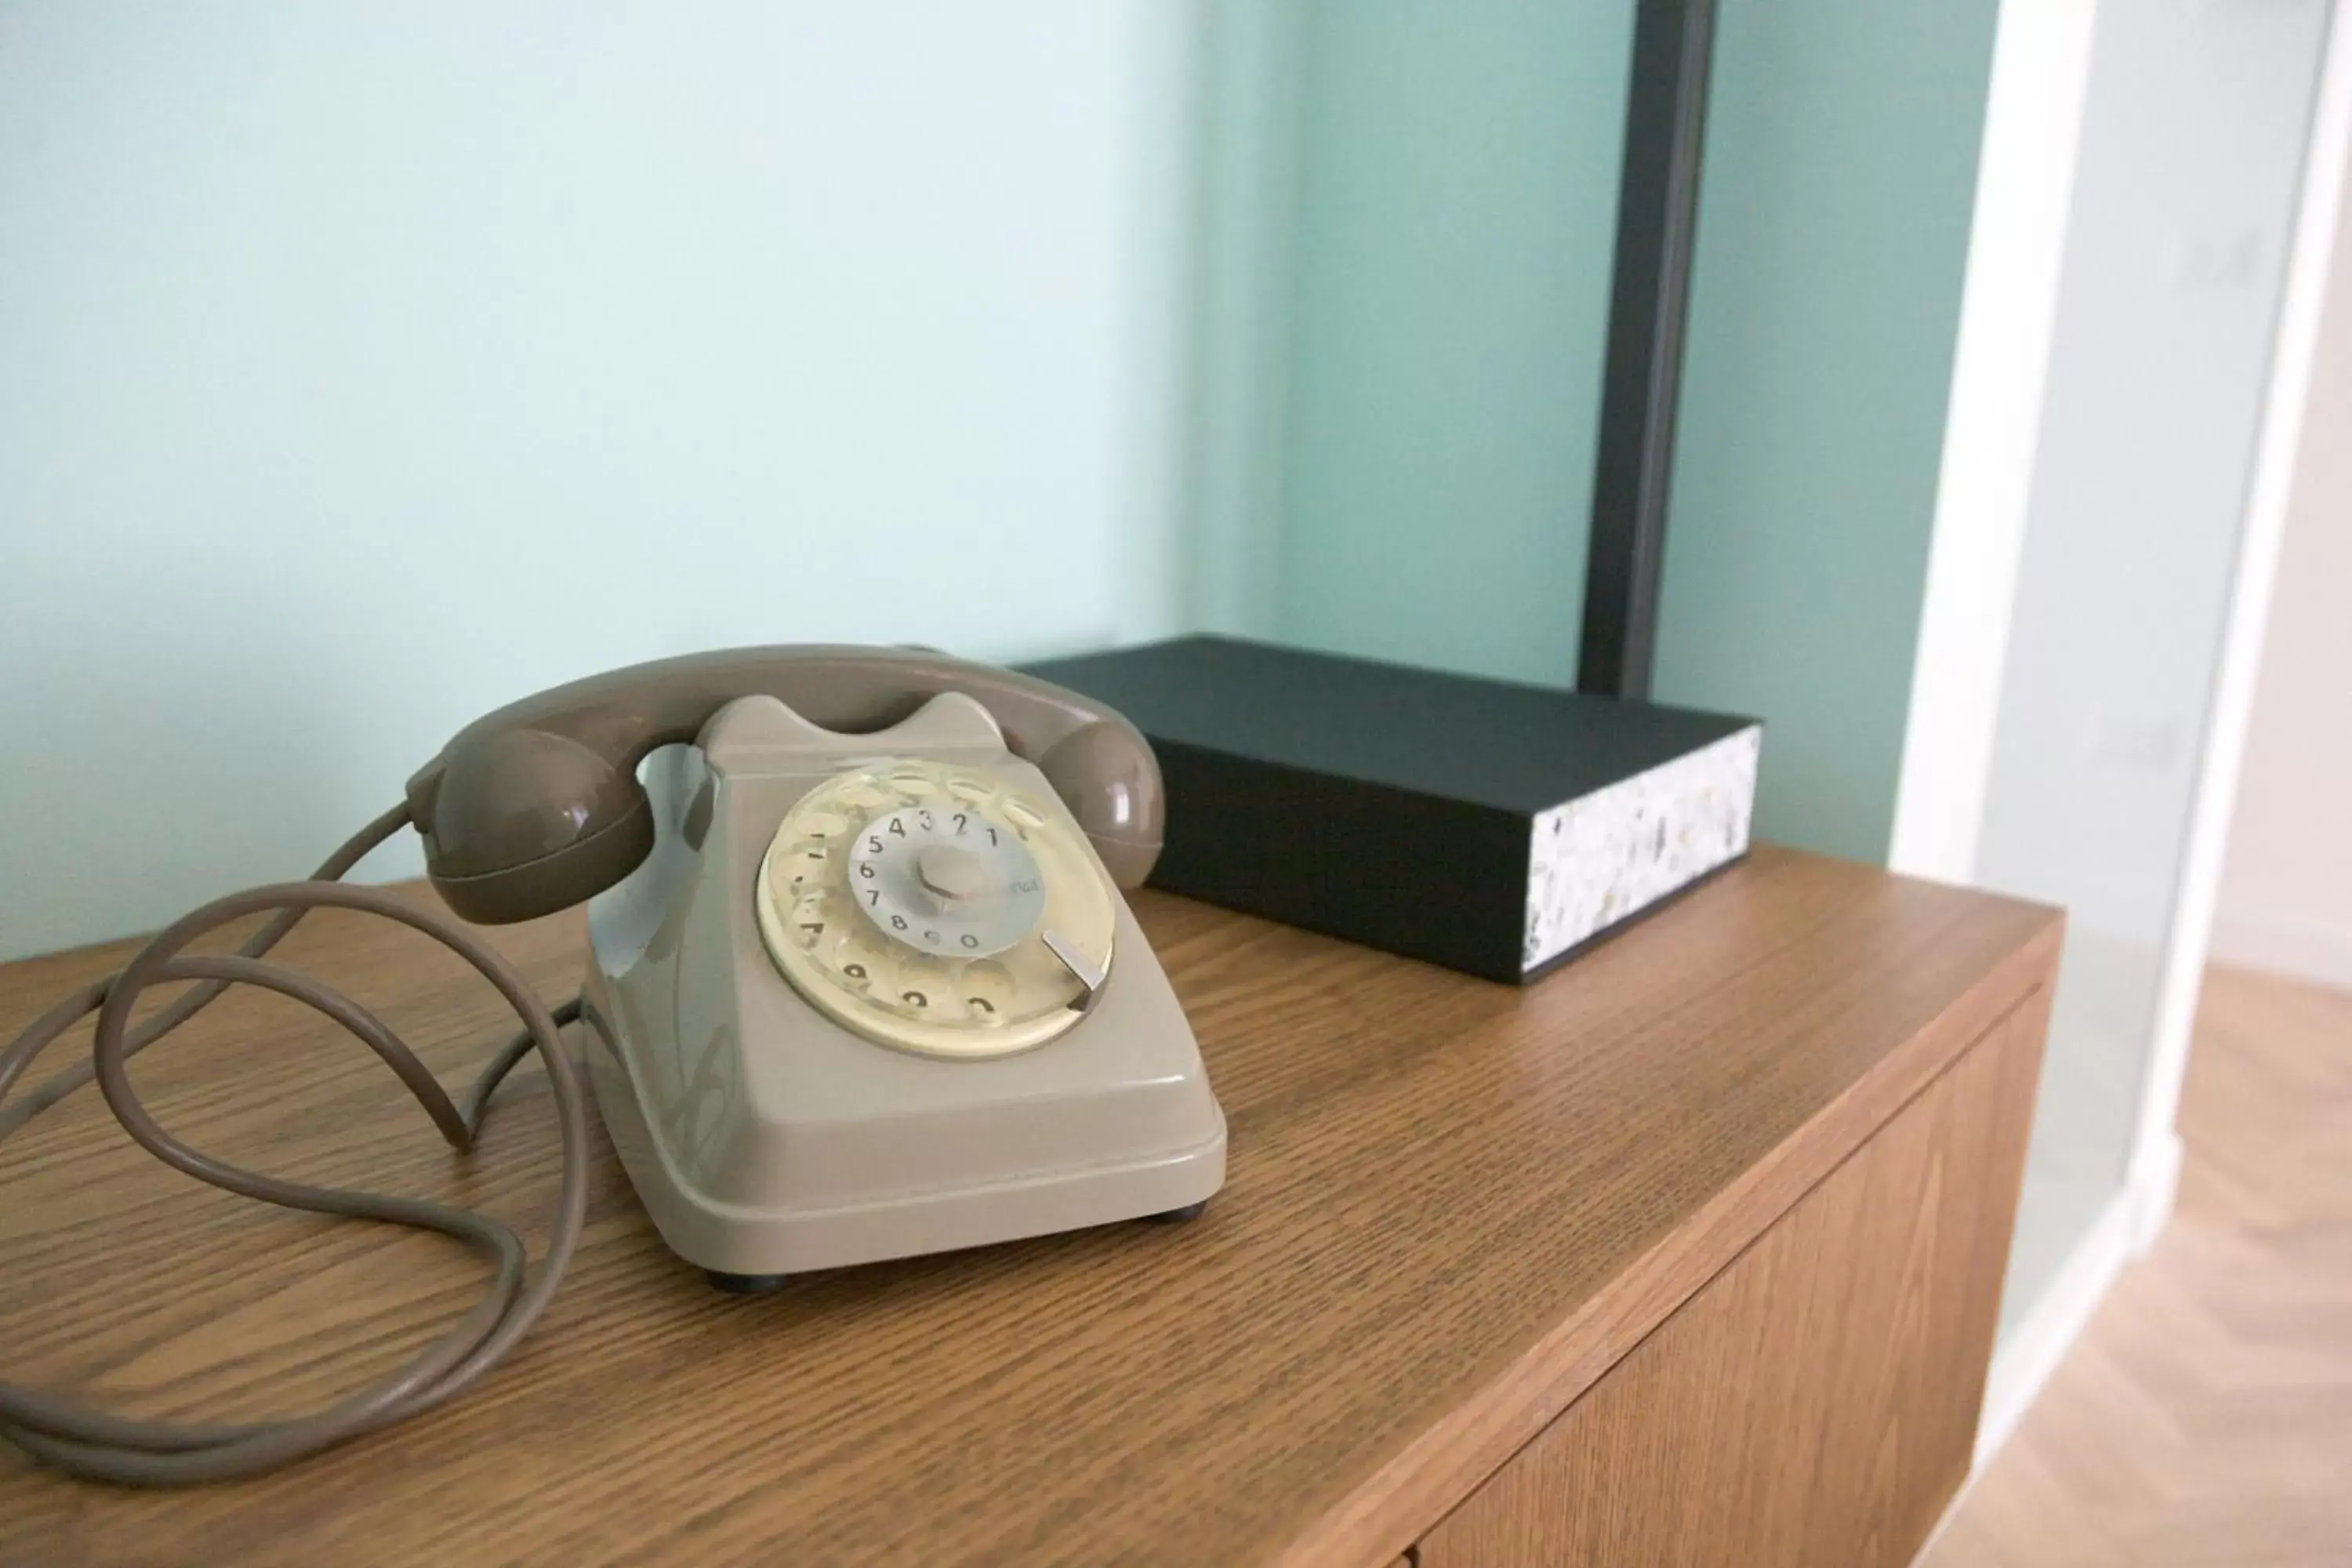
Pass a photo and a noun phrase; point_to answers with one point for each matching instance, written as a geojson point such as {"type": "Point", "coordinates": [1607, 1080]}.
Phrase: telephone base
{"type": "Point", "coordinates": [745, 1284]}
{"type": "Point", "coordinates": [768, 1137]}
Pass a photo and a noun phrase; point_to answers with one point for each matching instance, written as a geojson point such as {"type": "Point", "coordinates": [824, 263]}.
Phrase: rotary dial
{"type": "Point", "coordinates": [937, 908]}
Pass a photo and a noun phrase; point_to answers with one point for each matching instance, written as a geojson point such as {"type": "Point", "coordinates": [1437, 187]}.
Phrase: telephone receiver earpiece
{"type": "Point", "coordinates": [536, 807]}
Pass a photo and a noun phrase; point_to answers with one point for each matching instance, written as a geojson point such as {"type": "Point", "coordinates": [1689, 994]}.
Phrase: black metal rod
{"type": "Point", "coordinates": [1657, 218]}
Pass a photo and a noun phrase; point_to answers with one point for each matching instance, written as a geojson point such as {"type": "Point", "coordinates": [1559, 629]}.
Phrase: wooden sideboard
{"type": "Point", "coordinates": [1689, 1253]}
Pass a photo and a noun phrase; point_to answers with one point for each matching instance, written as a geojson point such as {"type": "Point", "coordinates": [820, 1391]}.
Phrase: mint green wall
{"type": "Point", "coordinates": [1455, 186]}
{"type": "Point", "coordinates": [362, 369]}
{"type": "Point", "coordinates": [640, 324]}
{"type": "Point", "coordinates": [1840, 169]}
{"type": "Point", "coordinates": [1441, 203]}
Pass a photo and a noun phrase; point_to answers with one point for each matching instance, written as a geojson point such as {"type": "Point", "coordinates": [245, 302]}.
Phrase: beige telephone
{"type": "Point", "coordinates": [872, 991]}
{"type": "Point", "coordinates": [861, 984]}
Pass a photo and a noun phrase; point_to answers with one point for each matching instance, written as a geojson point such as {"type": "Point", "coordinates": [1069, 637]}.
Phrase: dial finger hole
{"type": "Point", "coordinates": [1022, 813]}
{"type": "Point", "coordinates": [824, 822]}
{"type": "Point", "coordinates": [986, 989]}
{"type": "Point", "coordinates": [861, 797]}
{"type": "Point", "coordinates": [921, 986]}
{"type": "Point", "coordinates": [866, 972]}
{"type": "Point", "coordinates": [810, 919]}
{"type": "Point", "coordinates": [803, 866]}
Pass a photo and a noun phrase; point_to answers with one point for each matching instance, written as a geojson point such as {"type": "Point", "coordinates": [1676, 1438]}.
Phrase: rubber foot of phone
{"type": "Point", "coordinates": [745, 1284]}
{"type": "Point", "coordinates": [1177, 1216]}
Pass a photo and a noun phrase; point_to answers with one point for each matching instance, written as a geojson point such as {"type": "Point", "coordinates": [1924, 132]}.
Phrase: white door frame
{"type": "Point", "coordinates": [2327, 161]}
{"type": "Point", "coordinates": [1992, 427]}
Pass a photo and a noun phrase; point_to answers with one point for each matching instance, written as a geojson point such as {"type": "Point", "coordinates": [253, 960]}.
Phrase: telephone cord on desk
{"type": "Point", "coordinates": [97, 1445]}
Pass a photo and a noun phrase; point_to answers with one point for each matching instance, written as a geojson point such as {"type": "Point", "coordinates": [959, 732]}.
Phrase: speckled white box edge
{"type": "Point", "coordinates": [1596, 861]}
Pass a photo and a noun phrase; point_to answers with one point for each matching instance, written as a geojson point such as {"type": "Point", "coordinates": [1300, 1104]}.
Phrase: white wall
{"type": "Point", "coordinates": [2184, 210]}
{"type": "Point", "coordinates": [364, 367]}
{"type": "Point", "coordinates": [2286, 895]}
{"type": "Point", "coordinates": [2017, 245]}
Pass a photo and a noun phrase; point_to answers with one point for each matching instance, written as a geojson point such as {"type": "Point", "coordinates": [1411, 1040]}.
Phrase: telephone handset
{"type": "Point", "coordinates": [533, 808]}
{"type": "Point", "coordinates": [860, 986]}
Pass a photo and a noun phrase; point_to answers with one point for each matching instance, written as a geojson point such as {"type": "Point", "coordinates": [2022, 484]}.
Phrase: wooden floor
{"type": "Point", "coordinates": [2205, 1415]}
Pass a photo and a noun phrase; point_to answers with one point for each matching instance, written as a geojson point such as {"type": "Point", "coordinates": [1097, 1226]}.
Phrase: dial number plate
{"type": "Point", "coordinates": [952, 879]}
{"type": "Point", "coordinates": [911, 901]}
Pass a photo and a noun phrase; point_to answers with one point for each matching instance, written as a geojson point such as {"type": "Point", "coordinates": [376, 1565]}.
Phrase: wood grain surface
{"type": "Point", "coordinates": [1450, 1207]}
{"type": "Point", "coordinates": [1817, 1402]}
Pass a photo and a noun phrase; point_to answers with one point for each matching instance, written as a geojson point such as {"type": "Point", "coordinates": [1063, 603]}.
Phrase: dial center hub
{"type": "Point", "coordinates": [952, 874]}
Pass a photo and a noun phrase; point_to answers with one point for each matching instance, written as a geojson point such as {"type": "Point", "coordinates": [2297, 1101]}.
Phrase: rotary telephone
{"type": "Point", "coordinates": [860, 984]}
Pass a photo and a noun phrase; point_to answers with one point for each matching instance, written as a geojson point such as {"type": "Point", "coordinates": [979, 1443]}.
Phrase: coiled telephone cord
{"type": "Point", "coordinates": [86, 1441]}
